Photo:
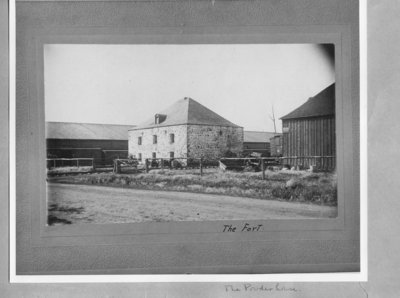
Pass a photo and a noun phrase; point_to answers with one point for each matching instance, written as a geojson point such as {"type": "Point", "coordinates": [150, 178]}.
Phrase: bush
{"type": "Point", "coordinates": [176, 164]}
{"type": "Point", "coordinates": [229, 154]}
{"type": "Point", "coordinates": [154, 163]}
{"type": "Point", "coordinates": [282, 192]}
{"type": "Point", "coordinates": [194, 163]}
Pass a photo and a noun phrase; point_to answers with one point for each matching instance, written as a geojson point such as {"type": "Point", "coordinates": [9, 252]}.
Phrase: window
{"type": "Point", "coordinates": [171, 138]}
{"type": "Point", "coordinates": [171, 155]}
{"type": "Point", "coordinates": [139, 141]}
{"type": "Point", "coordinates": [154, 155]}
{"type": "Point", "coordinates": [220, 132]}
{"type": "Point", "coordinates": [139, 156]}
{"type": "Point", "coordinates": [154, 139]}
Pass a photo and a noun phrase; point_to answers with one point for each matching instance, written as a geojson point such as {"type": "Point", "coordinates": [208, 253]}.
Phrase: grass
{"type": "Point", "coordinates": [54, 210]}
{"type": "Point", "coordinates": [67, 170]}
{"type": "Point", "coordinates": [296, 186]}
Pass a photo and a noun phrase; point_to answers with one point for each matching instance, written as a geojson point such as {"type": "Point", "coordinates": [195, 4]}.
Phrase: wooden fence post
{"type": "Point", "coordinates": [162, 164]}
{"type": "Point", "coordinates": [263, 169]}
{"type": "Point", "coordinates": [115, 170]}
{"type": "Point", "coordinates": [146, 165]}
{"type": "Point", "coordinates": [201, 166]}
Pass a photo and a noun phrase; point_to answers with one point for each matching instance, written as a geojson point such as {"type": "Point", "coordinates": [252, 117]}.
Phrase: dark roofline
{"type": "Point", "coordinates": [160, 125]}
{"type": "Point", "coordinates": [261, 131]}
{"type": "Point", "coordinates": [321, 104]}
{"type": "Point", "coordinates": [308, 117]}
{"type": "Point", "coordinates": [88, 139]}
{"type": "Point", "coordinates": [110, 124]}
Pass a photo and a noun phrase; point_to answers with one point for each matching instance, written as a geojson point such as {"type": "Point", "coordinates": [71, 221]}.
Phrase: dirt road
{"type": "Point", "coordinates": [100, 204]}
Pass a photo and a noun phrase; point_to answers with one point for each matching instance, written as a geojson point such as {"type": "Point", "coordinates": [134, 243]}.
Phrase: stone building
{"type": "Point", "coordinates": [186, 129]}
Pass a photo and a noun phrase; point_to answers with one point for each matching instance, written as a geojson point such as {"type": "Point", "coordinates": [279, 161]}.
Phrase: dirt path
{"type": "Point", "coordinates": [100, 204]}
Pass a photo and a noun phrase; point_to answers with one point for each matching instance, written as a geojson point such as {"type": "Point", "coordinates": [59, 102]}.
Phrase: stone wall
{"type": "Point", "coordinates": [163, 146]}
{"type": "Point", "coordinates": [214, 141]}
{"type": "Point", "coordinates": [193, 141]}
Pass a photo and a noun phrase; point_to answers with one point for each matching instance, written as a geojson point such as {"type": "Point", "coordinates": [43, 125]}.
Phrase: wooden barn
{"type": "Point", "coordinates": [309, 132]}
{"type": "Point", "coordinates": [257, 141]}
{"type": "Point", "coordinates": [103, 142]}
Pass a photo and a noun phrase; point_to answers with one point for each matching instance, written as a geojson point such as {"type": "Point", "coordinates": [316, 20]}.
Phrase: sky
{"type": "Point", "coordinates": [127, 84]}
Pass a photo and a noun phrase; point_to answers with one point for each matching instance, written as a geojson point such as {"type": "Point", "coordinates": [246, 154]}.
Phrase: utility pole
{"type": "Point", "coordinates": [273, 118]}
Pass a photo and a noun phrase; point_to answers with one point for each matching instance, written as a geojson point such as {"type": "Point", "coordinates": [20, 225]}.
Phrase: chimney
{"type": "Point", "coordinates": [159, 118]}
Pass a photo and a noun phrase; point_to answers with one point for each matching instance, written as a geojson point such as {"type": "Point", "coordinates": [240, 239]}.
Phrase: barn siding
{"type": "Point", "coordinates": [82, 143]}
{"type": "Point", "coordinates": [310, 137]}
{"type": "Point", "coordinates": [102, 151]}
{"type": "Point", "coordinates": [263, 148]}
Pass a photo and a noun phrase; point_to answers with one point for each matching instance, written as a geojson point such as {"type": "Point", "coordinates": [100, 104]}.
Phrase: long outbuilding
{"type": "Point", "coordinates": [102, 142]}
{"type": "Point", "coordinates": [257, 141]}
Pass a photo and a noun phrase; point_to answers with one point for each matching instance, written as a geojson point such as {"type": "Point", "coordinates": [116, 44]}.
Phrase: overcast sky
{"type": "Point", "coordinates": [127, 84]}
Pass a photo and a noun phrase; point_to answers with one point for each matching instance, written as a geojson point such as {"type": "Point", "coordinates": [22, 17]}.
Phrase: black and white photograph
{"type": "Point", "coordinates": [189, 132]}
{"type": "Point", "coordinates": [195, 149]}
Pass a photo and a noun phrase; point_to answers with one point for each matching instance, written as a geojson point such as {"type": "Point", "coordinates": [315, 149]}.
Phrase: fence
{"type": "Point", "coordinates": [180, 163]}
{"type": "Point", "coordinates": [322, 163]}
{"type": "Point", "coordinates": [257, 163]}
{"type": "Point", "coordinates": [69, 162]}
{"type": "Point", "coordinates": [119, 164]}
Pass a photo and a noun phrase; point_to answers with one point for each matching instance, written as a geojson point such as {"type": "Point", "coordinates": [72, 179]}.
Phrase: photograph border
{"type": "Point", "coordinates": [341, 228]}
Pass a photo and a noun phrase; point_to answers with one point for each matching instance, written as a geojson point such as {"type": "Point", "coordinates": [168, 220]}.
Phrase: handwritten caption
{"type": "Point", "coordinates": [248, 287]}
{"type": "Point", "coordinates": [245, 228]}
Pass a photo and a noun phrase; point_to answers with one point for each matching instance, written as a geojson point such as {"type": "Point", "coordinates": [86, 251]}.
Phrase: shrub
{"type": "Point", "coordinates": [281, 192]}
{"type": "Point", "coordinates": [229, 153]}
{"type": "Point", "coordinates": [176, 164]}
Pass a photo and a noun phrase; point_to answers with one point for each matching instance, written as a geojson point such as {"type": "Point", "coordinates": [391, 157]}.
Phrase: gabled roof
{"type": "Point", "coordinates": [86, 131]}
{"type": "Point", "coordinates": [186, 111]}
{"type": "Point", "coordinates": [257, 136]}
{"type": "Point", "coordinates": [322, 104]}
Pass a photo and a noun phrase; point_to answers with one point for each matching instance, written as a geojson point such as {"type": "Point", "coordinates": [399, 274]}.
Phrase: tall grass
{"type": "Point", "coordinates": [299, 186]}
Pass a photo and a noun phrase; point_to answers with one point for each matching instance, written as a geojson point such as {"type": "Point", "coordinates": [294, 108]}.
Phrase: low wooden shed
{"type": "Point", "coordinates": [102, 142]}
{"type": "Point", "coordinates": [309, 137]}
{"type": "Point", "coordinates": [276, 145]}
{"type": "Point", "coordinates": [257, 141]}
